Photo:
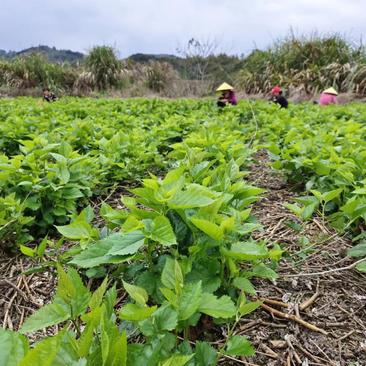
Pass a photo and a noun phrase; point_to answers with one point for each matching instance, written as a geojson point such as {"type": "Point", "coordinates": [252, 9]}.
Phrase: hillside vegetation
{"type": "Point", "coordinates": [302, 65]}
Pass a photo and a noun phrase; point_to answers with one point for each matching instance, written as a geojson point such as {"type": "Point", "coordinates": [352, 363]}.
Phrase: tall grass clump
{"type": "Point", "coordinates": [104, 66]}
{"type": "Point", "coordinates": [34, 70]}
{"type": "Point", "coordinates": [307, 63]}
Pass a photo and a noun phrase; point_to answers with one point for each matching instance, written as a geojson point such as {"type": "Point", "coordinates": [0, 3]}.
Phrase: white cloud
{"type": "Point", "coordinates": [158, 26]}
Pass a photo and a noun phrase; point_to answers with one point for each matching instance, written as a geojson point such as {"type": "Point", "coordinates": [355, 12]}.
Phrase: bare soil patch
{"type": "Point", "coordinates": [334, 302]}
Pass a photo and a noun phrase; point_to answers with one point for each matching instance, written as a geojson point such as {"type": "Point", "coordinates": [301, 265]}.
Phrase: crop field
{"type": "Point", "coordinates": [168, 232]}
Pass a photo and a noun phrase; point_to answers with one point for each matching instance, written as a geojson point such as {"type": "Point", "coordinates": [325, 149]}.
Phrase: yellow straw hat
{"type": "Point", "coordinates": [330, 91]}
{"type": "Point", "coordinates": [224, 87]}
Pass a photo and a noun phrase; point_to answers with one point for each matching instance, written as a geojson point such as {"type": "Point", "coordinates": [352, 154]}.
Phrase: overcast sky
{"type": "Point", "coordinates": [159, 26]}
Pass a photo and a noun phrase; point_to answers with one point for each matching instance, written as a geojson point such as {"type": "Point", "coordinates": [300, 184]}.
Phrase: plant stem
{"type": "Point", "coordinates": [186, 333]}
{"type": "Point", "coordinates": [149, 254]}
{"type": "Point", "coordinates": [323, 213]}
{"type": "Point", "coordinates": [76, 325]}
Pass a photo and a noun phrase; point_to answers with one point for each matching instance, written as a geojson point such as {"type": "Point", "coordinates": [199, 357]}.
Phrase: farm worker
{"type": "Point", "coordinates": [278, 98]}
{"type": "Point", "coordinates": [227, 95]}
{"type": "Point", "coordinates": [48, 96]}
{"type": "Point", "coordinates": [329, 96]}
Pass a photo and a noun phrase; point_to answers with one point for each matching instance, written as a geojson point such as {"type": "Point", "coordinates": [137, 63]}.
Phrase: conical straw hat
{"type": "Point", "coordinates": [224, 87]}
{"type": "Point", "coordinates": [330, 91]}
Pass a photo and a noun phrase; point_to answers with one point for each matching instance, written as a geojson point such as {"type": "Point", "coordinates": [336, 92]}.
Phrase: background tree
{"type": "Point", "coordinates": [196, 54]}
{"type": "Point", "coordinates": [104, 65]}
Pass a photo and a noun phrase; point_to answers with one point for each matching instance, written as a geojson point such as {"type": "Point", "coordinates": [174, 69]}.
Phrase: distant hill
{"type": "Point", "coordinates": [146, 57]}
{"type": "Point", "coordinates": [53, 54]}
{"type": "Point", "coordinates": [178, 63]}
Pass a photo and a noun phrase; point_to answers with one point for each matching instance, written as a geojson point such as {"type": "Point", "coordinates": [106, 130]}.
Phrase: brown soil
{"type": "Point", "coordinates": [340, 307]}
{"type": "Point", "coordinates": [22, 295]}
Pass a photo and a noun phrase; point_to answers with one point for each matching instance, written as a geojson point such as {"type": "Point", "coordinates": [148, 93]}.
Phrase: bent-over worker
{"type": "Point", "coordinates": [278, 98]}
{"type": "Point", "coordinates": [227, 95]}
{"type": "Point", "coordinates": [48, 96]}
{"type": "Point", "coordinates": [329, 96]}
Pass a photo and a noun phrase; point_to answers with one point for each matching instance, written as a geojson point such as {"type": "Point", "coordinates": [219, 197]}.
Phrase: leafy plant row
{"type": "Point", "coordinates": [56, 157]}
{"type": "Point", "coordinates": [323, 151]}
{"type": "Point", "coordinates": [181, 249]}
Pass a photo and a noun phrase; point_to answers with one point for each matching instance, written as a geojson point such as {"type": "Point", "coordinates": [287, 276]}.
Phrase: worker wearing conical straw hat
{"type": "Point", "coordinates": [227, 95]}
{"type": "Point", "coordinates": [329, 96]}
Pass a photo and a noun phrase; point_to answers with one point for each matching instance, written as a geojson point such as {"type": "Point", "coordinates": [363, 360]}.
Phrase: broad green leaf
{"type": "Point", "coordinates": [123, 349]}
{"type": "Point", "coordinates": [174, 175]}
{"type": "Point", "coordinates": [317, 194]}
{"type": "Point", "coordinates": [321, 168]}
{"type": "Point", "coordinates": [64, 174]}
{"type": "Point", "coordinates": [222, 307]}
{"type": "Point", "coordinates": [205, 355]}
{"type": "Point", "coordinates": [29, 252]}
{"type": "Point", "coordinates": [76, 231]}
{"type": "Point", "coordinates": [164, 319]}
{"type": "Point", "coordinates": [247, 251]}
{"type": "Point", "coordinates": [92, 320]}
{"type": "Point", "coordinates": [67, 354]}
{"type": "Point", "coordinates": [111, 215]}
{"type": "Point", "coordinates": [95, 255]}
{"type": "Point", "coordinates": [249, 307]}
{"type": "Point", "coordinates": [245, 285]}
{"type": "Point", "coordinates": [72, 291]}
{"type": "Point", "coordinates": [58, 157]}
{"type": "Point", "coordinates": [110, 300]}
{"type": "Point", "coordinates": [190, 299]}
{"type": "Point", "coordinates": [124, 244]}
{"type": "Point", "coordinates": [71, 300]}
{"type": "Point", "coordinates": [249, 191]}
{"type": "Point", "coordinates": [275, 253]}
{"type": "Point", "coordinates": [170, 295]}
{"type": "Point", "coordinates": [328, 196]}
{"type": "Point", "coordinates": [102, 251]}
{"type": "Point", "coordinates": [132, 224]}
{"type": "Point", "coordinates": [309, 210]}
{"type": "Point", "coordinates": [177, 360]}
{"type": "Point", "coordinates": [138, 294]}
{"type": "Point", "coordinates": [14, 347]}
{"type": "Point", "coordinates": [194, 196]}
{"type": "Point", "coordinates": [359, 191]}
{"type": "Point", "coordinates": [261, 270]}
{"type": "Point", "coordinates": [212, 230]}
{"type": "Point", "coordinates": [361, 266]}
{"type": "Point", "coordinates": [42, 247]}
{"type": "Point", "coordinates": [56, 312]}
{"type": "Point", "coordinates": [239, 346]}
{"type": "Point", "coordinates": [98, 294]}
{"type": "Point", "coordinates": [248, 228]}
{"type": "Point", "coordinates": [152, 353]}
{"type": "Point", "coordinates": [357, 251]}
{"type": "Point", "coordinates": [207, 271]}
{"type": "Point", "coordinates": [293, 207]}
{"type": "Point", "coordinates": [162, 231]}
{"type": "Point", "coordinates": [133, 312]}
{"type": "Point", "coordinates": [172, 276]}
{"type": "Point", "coordinates": [44, 353]}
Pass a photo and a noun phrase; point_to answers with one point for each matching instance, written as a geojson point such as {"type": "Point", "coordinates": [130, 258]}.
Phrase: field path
{"type": "Point", "coordinates": [334, 302]}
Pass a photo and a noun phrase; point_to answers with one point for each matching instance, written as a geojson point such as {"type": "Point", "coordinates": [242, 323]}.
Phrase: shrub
{"type": "Point", "coordinates": [102, 62]}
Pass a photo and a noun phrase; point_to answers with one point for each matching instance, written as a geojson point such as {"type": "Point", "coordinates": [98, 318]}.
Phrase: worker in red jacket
{"type": "Point", "coordinates": [278, 98]}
